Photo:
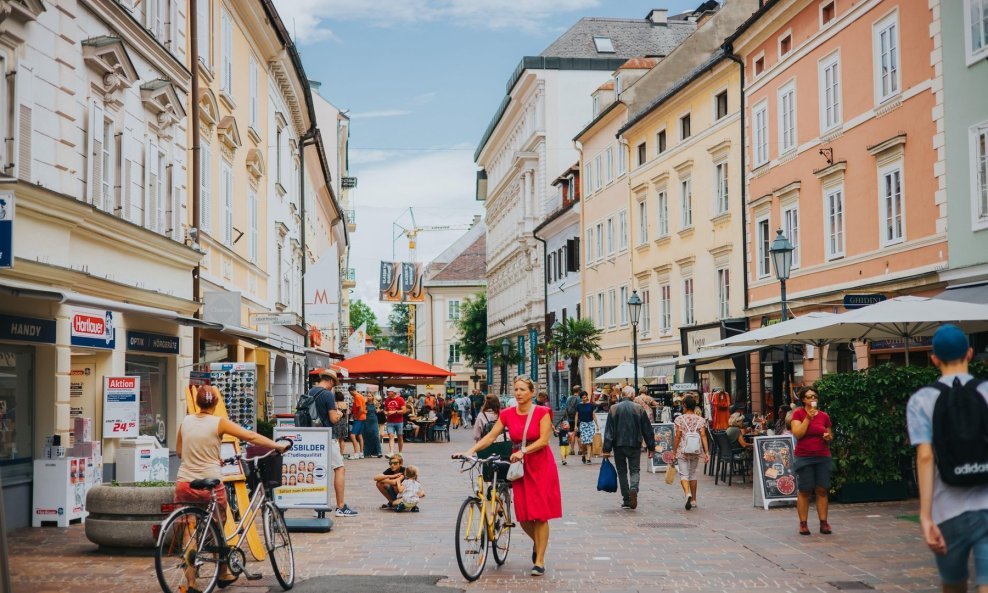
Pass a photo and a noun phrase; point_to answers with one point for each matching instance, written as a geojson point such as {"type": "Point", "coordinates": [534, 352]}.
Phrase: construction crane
{"type": "Point", "coordinates": [398, 231]}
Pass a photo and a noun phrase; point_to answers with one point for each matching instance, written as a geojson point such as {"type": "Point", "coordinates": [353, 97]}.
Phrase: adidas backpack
{"type": "Point", "coordinates": [960, 433]}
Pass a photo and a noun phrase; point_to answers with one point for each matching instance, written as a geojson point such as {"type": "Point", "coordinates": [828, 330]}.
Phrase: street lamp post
{"type": "Point", "coordinates": [505, 349]}
{"type": "Point", "coordinates": [556, 327]}
{"type": "Point", "coordinates": [449, 381]}
{"type": "Point", "coordinates": [781, 251]}
{"type": "Point", "coordinates": [635, 309]}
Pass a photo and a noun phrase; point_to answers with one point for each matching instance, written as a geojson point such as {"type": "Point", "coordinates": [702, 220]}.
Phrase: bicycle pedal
{"type": "Point", "coordinates": [252, 576]}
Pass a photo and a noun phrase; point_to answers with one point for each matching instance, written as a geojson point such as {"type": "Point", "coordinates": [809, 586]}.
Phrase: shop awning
{"type": "Point", "coordinates": [711, 355]}
{"type": "Point", "coordinates": [659, 368]}
{"type": "Point", "coordinates": [977, 294]}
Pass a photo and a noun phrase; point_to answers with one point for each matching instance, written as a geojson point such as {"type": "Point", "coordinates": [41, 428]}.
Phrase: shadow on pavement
{"type": "Point", "coordinates": [371, 584]}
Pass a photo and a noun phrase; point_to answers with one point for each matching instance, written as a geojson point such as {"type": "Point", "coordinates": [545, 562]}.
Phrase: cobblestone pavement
{"type": "Point", "coordinates": [725, 545]}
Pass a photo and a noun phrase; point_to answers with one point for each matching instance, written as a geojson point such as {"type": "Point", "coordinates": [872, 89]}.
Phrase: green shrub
{"type": "Point", "coordinates": [868, 410]}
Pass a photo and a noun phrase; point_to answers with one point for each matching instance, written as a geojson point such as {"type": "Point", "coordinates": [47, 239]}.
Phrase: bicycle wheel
{"type": "Point", "coordinates": [502, 532]}
{"type": "Point", "coordinates": [279, 546]}
{"type": "Point", "coordinates": [471, 539]}
{"type": "Point", "coordinates": [189, 552]}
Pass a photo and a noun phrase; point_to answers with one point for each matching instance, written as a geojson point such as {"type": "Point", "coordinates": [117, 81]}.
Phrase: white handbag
{"type": "Point", "coordinates": [516, 470]}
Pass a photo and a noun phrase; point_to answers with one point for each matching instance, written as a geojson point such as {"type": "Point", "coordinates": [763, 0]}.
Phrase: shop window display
{"type": "Point", "coordinates": [16, 397]}
{"type": "Point", "coordinates": [152, 415]}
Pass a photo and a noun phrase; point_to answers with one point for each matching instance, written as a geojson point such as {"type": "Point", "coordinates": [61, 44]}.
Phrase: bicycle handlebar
{"type": "Point", "coordinates": [474, 460]}
{"type": "Point", "coordinates": [241, 457]}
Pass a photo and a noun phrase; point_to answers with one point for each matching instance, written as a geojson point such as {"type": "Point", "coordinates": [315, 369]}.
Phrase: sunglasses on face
{"type": "Point", "coordinates": [393, 463]}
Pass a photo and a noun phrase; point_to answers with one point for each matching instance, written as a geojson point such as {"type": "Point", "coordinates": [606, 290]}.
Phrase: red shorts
{"type": "Point", "coordinates": [185, 494]}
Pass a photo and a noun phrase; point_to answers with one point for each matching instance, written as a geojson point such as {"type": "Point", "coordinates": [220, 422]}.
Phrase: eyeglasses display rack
{"type": "Point", "coordinates": [237, 383]}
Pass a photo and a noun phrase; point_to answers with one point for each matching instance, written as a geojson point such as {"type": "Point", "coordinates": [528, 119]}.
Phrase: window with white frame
{"type": "Point", "coordinates": [610, 236]}
{"type": "Point", "coordinates": [787, 117]}
{"type": "Point", "coordinates": [589, 245]}
{"type": "Point", "coordinates": [723, 202]}
{"type": "Point", "coordinates": [612, 307]}
{"type": "Point", "coordinates": [623, 230]}
{"type": "Point", "coordinates": [790, 225]}
{"type": "Point", "coordinates": [252, 228]}
{"type": "Point", "coordinates": [254, 98]}
{"type": "Point", "coordinates": [453, 310]}
{"type": "Point", "coordinates": [660, 142]}
{"type": "Point", "coordinates": [685, 130]}
{"type": "Point", "coordinates": [830, 100]}
{"type": "Point", "coordinates": [99, 184]}
{"type": "Point", "coordinates": [762, 253]}
{"type": "Point", "coordinates": [642, 222]}
{"type": "Point", "coordinates": [886, 49]}
{"type": "Point", "coordinates": [720, 105]}
{"type": "Point", "coordinates": [226, 53]}
{"type": "Point", "coordinates": [833, 203]}
{"type": "Point", "coordinates": [665, 308]}
{"type": "Point", "coordinates": [610, 164]}
{"type": "Point", "coordinates": [205, 186]}
{"type": "Point", "coordinates": [204, 24]}
{"type": "Point", "coordinates": [109, 145]}
{"type": "Point", "coordinates": [686, 203]}
{"type": "Point", "coordinates": [226, 194]}
{"type": "Point", "coordinates": [600, 240]}
{"type": "Point", "coordinates": [760, 125]}
{"type": "Point", "coordinates": [622, 160]}
{"type": "Point", "coordinates": [642, 157]}
{"type": "Point", "coordinates": [454, 352]}
{"type": "Point", "coordinates": [158, 19]}
{"type": "Point", "coordinates": [600, 310]}
{"type": "Point", "coordinates": [979, 173]}
{"type": "Point", "coordinates": [723, 293]}
{"type": "Point", "coordinates": [161, 192]}
{"type": "Point", "coordinates": [645, 322]}
{"type": "Point", "coordinates": [892, 205]}
{"type": "Point", "coordinates": [597, 176]}
{"type": "Point", "coordinates": [596, 104]}
{"type": "Point", "coordinates": [976, 30]}
{"type": "Point", "coordinates": [624, 305]}
{"type": "Point", "coordinates": [662, 205]}
{"type": "Point", "coordinates": [279, 140]}
{"type": "Point", "coordinates": [590, 314]}
{"type": "Point", "coordinates": [688, 301]}
{"type": "Point", "coordinates": [587, 179]}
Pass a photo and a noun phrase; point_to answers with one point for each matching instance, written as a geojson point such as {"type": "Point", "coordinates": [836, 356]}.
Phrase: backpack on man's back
{"type": "Point", "coordinates": [306, 413]}
{"type": "Point", "coordinates": [960, 433]}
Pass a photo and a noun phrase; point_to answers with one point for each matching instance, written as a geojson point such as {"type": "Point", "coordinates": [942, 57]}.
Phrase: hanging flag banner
{"type": "Point", "coordinates": [533, 353]}
{"type": "Point", "coordinates": [322, 296]}
{"type": "Point", "coordinates": [6, 229]}
{"type": "Point", "coordinates": [411, 283]}
{"type": "Point", "coordinates": [490, 367]}
{"type": "Point", "coordinates": [390, 282]}
{"type": "Point", "coordinates": [120, 407]}
{"type": "Point", "coordinates": [521, 355]}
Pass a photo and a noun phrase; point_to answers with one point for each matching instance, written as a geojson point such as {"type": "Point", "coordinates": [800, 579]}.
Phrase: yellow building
{"type": "Point", "coordinates": [686, 208]}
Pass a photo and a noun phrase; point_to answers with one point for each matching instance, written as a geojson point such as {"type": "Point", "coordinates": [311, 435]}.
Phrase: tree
{"type": "Point", "coordinates": [361, 312]}
{"type": "Point", "coordinates": [576, 339]}
{"type": "Point", "coordinates": [473, 329]}
{"type": "Point", "coordinates": [398, 320]}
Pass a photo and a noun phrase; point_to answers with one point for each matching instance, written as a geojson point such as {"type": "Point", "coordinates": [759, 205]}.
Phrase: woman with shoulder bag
{"type": "Point", "coordinates": [536, 493]}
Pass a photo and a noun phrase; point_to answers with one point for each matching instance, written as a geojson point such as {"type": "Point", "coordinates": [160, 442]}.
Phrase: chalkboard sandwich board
{"type": "Point", "coordinates": [664, 435]}
{"type": "Point", "coordinates": [774, 475]}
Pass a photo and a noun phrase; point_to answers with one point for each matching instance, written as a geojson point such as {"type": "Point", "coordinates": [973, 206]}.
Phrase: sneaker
{"type": "Point", "coordinates": [689, 502]}
{"type": "Point", "coordinates": [564, 461]}
{"type": "Point", "coordinates": [625, 505]}
{"type": "Point", "coordinates": [400, 508]}
{"type": "Point", "coordinates": [538, 571]}
{"type": "Point", "coordinates": [633, 499]}
{"type": "Point", "coordinates": [346, 511]}
{"type": "Point", "coordinates": [415, 509]}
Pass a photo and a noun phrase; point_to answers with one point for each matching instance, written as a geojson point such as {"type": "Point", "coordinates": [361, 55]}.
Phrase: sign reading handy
{"type": "Point", "coordinates": [120, 407]}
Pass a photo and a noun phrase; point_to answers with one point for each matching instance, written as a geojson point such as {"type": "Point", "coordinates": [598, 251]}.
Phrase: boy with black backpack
{"type": "Point", "coordinates": [948, 424]}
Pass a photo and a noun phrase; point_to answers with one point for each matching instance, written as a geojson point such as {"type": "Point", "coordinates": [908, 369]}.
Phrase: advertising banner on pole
{"type": "Point", "coordinates": [533, 353]}
{"type": "Point", "coordinates": [120, 407]}
{"type": "Point", "coordinates": [6, 229]}
{"type": "Point", "coordinates": [306, 476]}
{"type": "Point", "coordinates": [390, 282]}
{"type": "Point", "coordinates": [490, 368]}
{"type": "Point", "coordinates": [411, 283]}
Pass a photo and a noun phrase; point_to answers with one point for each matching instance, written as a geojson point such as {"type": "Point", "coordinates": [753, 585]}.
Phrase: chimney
{"type": "Point", "coordinates": [658, 16]}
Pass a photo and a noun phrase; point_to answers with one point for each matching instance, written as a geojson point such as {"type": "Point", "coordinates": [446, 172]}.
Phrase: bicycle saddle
{"type": "Point", "coordinates": [204, 484]}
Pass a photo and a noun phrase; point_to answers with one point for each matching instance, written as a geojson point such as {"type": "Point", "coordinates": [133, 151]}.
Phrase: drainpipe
{"type": "Point", "coordinates": [196, 165]}
{"type": "Point", "coordinates": [307, 138]}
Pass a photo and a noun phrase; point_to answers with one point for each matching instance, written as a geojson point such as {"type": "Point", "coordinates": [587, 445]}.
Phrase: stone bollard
{"type": "Point", "coordinates": [122, 518]}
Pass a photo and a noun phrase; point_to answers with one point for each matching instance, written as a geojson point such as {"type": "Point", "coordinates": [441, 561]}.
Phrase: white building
{"type": "Point", "coordinates": [528, 142]}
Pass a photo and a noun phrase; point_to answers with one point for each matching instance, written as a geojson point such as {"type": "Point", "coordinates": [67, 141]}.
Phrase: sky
{"type": "Point", "coordinates": [421, 80]}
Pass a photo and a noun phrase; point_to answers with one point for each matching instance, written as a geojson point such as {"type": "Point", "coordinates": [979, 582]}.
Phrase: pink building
{"type": "Point", "coordinates": [841, 154]}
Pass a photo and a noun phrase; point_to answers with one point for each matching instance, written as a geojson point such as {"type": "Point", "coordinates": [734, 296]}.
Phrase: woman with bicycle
{"type": "Point", "coordinates": [198, 445]}
{"type": "Point", "coordinates": [536, 493]}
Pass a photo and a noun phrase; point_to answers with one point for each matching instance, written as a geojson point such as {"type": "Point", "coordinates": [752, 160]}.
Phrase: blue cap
{"type": "Point", "coordinates": [950, 343]}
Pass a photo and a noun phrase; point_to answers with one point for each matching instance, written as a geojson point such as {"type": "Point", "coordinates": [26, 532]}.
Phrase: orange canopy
{"type": "Point", "coordinates": [384, 364]}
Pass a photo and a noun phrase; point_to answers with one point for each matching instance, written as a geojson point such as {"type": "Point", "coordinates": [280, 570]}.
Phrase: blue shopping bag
{"type": "Point", "coordinates": [607, 478]}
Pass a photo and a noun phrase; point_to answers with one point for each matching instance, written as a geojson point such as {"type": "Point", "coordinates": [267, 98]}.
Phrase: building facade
{"type": "Point", "coordinates": [525, 146]}
{"type": "Point", "coordinates": [828, 86]}
{"type": "Point", "coordinates": [456, 275]}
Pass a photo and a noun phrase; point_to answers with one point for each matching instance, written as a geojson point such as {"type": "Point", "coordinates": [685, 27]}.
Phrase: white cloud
{"type": "Point", "coordinates": [306, 17]}
{"type": "Point", "coordinates": [379, 113]}
{"type": "Point", "coordinates": [364, 156]}
{"type": "Point", "coordinates": [438, 185]}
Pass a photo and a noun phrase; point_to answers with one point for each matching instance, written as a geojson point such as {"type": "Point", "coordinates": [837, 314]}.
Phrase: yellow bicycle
{"type": "Point", "coordinates": [484, 517]}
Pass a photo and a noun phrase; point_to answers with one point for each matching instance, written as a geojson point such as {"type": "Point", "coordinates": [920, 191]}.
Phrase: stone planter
{"type": "Point", "coordinates": [122, 518]}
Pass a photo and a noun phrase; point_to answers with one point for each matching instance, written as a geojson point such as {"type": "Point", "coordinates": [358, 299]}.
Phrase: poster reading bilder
{"type": "Point", "coordinates": [306, 478]}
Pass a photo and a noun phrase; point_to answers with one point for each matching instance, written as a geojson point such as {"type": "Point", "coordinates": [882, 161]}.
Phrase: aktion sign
{"type": "Point", "coordinates": [120, 407]}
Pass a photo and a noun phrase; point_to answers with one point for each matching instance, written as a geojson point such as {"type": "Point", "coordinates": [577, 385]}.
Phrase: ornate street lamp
{"type": "Point", "coordinates": [556, 327]}
{"type": "Point", "coordinates": [635, 309]}
{"type": "Point", "coordinates": [505, 349]}
{"type": "Point", "coordinates": [781, 251]}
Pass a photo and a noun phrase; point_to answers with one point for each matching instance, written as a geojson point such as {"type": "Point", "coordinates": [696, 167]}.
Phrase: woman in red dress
{"type": "Point", "coordinates": [536, 494]}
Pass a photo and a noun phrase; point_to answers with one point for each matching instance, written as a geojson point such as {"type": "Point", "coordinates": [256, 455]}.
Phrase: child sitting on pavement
{"type": "Point", "coordinates": [410, 492]}
{"type": "Point", "coordinates": [387, 482]}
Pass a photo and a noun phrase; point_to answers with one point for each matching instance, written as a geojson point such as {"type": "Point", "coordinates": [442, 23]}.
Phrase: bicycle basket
{"type": "Point", "coordinates": [268, 469]}
{"type": "Point", "coordinates": [501, 448]}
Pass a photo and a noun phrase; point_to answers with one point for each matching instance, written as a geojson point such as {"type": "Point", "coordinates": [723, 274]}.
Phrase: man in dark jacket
{"type": "Point", "coordinates": [570, 414]}
{"type": "Point", "coordinates": [627, 426]}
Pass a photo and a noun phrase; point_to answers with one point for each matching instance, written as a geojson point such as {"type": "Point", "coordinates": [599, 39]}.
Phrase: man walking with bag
{"type": "Point", "coordinates": [947, 424]}
{"type": "Point", "coordinates": [627, 426]}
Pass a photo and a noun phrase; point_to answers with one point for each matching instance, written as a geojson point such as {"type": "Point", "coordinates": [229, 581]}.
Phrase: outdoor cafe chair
{"type": "Point", "coordinates": [731, 460]}
{"type": "Point", "coordinates": [708, 466]}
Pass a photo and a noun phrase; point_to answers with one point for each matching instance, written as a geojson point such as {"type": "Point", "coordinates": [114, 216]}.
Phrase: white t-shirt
{"type": "Point", "coordinates": [948, 501]}
{"type": "Point", "coordinates": [410, 494]}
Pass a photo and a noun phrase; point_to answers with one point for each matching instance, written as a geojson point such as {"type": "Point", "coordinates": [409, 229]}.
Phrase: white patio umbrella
{"type": "Point", "coordinates": [901, 318]}
{"type": "Point", "coordinates": [789, 330]}
{"type": "Point", "coordinates": [625, 370]}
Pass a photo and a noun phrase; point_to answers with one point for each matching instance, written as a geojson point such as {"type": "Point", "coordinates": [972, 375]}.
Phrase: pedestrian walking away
{"type": "Point", "coordinates": [690, 443]}
{"type": "Point", "coordinates": [627, 427]}
{"type": "Point", "coordinates": [488, 416]}
{"type": "Point", "coordinates": [947, 422]}
{"type": "Point", "coordinates": [536, 494]}
{"type": "Point", "coordinates": [812, 462]}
